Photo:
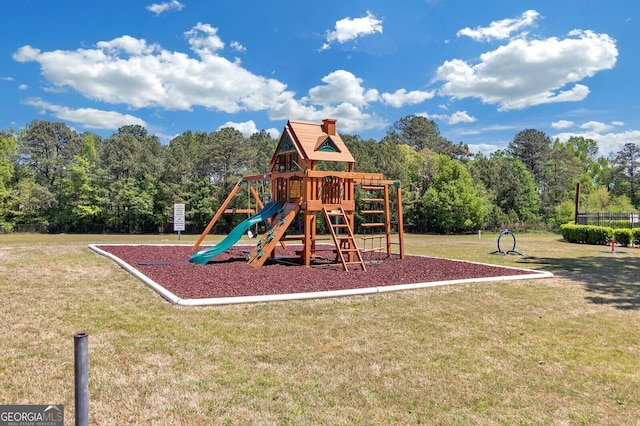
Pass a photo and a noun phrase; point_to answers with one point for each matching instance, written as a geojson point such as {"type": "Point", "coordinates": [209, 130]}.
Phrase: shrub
{"type": "Point", "coordinates": [573, 233]}
{"type": "Point", "coordinates": [635, 236]}
{"type": "Point", "coordinates": [599, 234]}
{"type": "Point", "coordinates": [6, 227]}
{"type": "Point", "coordinates": [586, 234]}
{"type": "Point", "coordinates": [622, 236]}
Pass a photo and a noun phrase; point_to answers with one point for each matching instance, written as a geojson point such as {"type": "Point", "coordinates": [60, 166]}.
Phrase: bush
{"type": "Point", "coordinates": [635, 236]}
{"type": "Point", "coordinates": [586, 234]}
{"type": "Point", "coordinates": [573, 233]}
{"type": "Point", "coordinates": [622, 236]}
{"type": "Point", "coordinates": [6, 227]}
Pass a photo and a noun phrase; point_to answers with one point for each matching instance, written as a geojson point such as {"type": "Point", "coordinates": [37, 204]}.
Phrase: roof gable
{"type": "Point", "coordinates": [286, 143]}
{"type": "Point", "coordinates": [315, 144]}
{"type": "Point", "coordinates": [325, 144]}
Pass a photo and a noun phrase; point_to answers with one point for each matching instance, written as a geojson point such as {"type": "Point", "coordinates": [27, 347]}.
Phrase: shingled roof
{"type": "Point", "coordinates": [314, 141]}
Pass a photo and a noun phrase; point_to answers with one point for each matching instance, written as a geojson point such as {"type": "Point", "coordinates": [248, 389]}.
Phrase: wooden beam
{"type": "Point", "coordinates": [400, 224]}
{"type": "Point", "coordinates": [216, 217]}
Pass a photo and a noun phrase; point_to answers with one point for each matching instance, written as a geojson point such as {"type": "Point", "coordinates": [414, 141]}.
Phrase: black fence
{"type": "Point", "coordinates": [612, 220]}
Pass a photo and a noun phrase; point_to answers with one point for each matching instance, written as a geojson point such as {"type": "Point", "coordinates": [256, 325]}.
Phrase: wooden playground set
{"type": "Point", "coordinates": [297, 187]}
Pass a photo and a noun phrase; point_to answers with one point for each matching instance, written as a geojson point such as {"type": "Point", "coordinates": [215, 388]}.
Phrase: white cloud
{"type": "Point", "coordinates": [54, 89]}
{"type": "Point", "coordinates": [500, 30]}
{"type": "Point", "coordinates": [26, 54]}
{"type": "Point", "coordinates": [440, 117]}
{"type": "Point", "coordinates": [159, 8]}
{"type": "Point", "coordinates": [273, 132]}
{"type": "Point", "coordinates": [455, 118]}
{"type": "Point", "coordinates": [89, 118]}
{"type": "Point", "coordinates": [348, 29]}
{"type": "Point", "coordinates": [237, 46]}
{"type": "Point", "coordinates": [401, 97]}
{"type": "Point", "coordinates": [597, 126]}
{"type": "Point", "coordinates": [607, 142]}
{"type": "Point", "coordinates": [483, 148]}
{"type": "Point", "coordinates": [6, 78]}
{"type": "Point", "coordinates": [129, 71]}
{"type": "Point", "coordinates": [126, 44]}
{"type": "Point", "coordinates": [461, 117]}
{"type": "Point", "coordinates": [342, 86]}
{"type": "Point", "coordinates": [524, 72]}
{"type": "Point", "coordinates": [204, 40]}
{"type": "Point", "coordinates": [138, 74]}
{"type": "Point", "coordinates": [562, 124]}
{"type": "Point", "coordinates": [351, 118]}
{"type": "Point", "coordinates": [248, 128]}
{"type": "Point", "coordinates": [23, 87]}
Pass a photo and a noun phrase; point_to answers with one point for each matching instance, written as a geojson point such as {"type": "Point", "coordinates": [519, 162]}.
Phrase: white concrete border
{"type": "Point", "coordinates": [171, 297]}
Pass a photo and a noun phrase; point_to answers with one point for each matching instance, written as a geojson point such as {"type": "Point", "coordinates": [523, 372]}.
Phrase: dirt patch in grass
{"type": "Point", "coordinates": [228, 275]}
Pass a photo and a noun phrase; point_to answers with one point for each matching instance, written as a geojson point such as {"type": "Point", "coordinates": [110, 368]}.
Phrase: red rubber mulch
{"type": "Point", "coordinates": [228, 275]}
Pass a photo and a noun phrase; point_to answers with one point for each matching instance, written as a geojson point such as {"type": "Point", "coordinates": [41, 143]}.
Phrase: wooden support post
{"type": "Point", "coordinates": [256, 197]}
{"type": "Point", "coordinates": [216, 217]}
{"type": "Point", "coordinates": [387, 219]}
{"type": "Point", "coordinates": [400, 224]}
{"type": "Point", "coordinates": [309, 225]}
{"type": "Point", "coordinates": [309, 229]}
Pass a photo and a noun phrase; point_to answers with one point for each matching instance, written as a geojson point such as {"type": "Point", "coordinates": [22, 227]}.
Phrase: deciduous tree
{"type": "Point", "coordinates": [452, 203]}
{"type": "Point", "coordinates": [510, 187]}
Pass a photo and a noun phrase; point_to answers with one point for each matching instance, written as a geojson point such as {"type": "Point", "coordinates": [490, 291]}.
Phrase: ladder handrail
{"type": "Point", "coordinates": [349, 239]}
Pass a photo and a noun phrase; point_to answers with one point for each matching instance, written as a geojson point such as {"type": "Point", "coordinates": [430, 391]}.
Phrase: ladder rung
{"type": "Point", "coordinates": [371, 225]}
{"type": "Point", "coordinates": [371, 211]}
{"type": "Point", "coordinates": [339, 225]}
{"type": "Point", "coordinates": [372, 200]}
{"type": "Point", "coordinates": [374, 237]}
{"type": "Point", "coordinates": [372, 187]}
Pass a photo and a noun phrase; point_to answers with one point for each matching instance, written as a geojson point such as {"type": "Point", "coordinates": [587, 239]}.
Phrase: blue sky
{"type": "Point", "coordinates": [483, 71]}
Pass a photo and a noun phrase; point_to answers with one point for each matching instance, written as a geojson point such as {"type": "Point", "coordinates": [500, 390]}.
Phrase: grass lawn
{"type": "Point", "coordinates": [564, 350]}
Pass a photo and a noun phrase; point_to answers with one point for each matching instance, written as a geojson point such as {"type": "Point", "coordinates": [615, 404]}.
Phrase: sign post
{"type": "Point", "coordinates": [178, 218]}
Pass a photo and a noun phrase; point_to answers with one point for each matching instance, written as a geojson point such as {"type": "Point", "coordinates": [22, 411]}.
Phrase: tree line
{"type": "Point", "coordinates": [54, 179]}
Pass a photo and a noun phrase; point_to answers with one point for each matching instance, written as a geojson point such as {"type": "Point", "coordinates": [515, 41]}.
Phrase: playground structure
{"type": "Point", "coordinates": [298, 187]}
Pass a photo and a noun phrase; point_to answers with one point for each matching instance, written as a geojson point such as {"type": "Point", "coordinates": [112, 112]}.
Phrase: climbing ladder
{"type": "Point", "coordinates": [278, 226]}
{"type": "Point", "coordinates": [376, 230]}
{"type": "Point", "coordinates": [343, 238]}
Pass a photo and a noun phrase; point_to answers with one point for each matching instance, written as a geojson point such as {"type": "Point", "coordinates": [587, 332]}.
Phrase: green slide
{"type": "Point", "coordinates": [205, 255]}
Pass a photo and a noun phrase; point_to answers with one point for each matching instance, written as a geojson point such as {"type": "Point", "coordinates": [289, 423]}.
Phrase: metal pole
{"type": "Point", "coordinates": [81, 359]}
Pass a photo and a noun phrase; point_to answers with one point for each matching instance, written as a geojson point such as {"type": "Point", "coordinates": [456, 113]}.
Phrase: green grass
{"type": "Point", "coordinates": [564, 350]}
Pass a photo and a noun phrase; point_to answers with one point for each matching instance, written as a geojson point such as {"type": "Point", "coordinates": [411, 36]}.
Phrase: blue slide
{"type": "Point", "coordinates": [203, 256]}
